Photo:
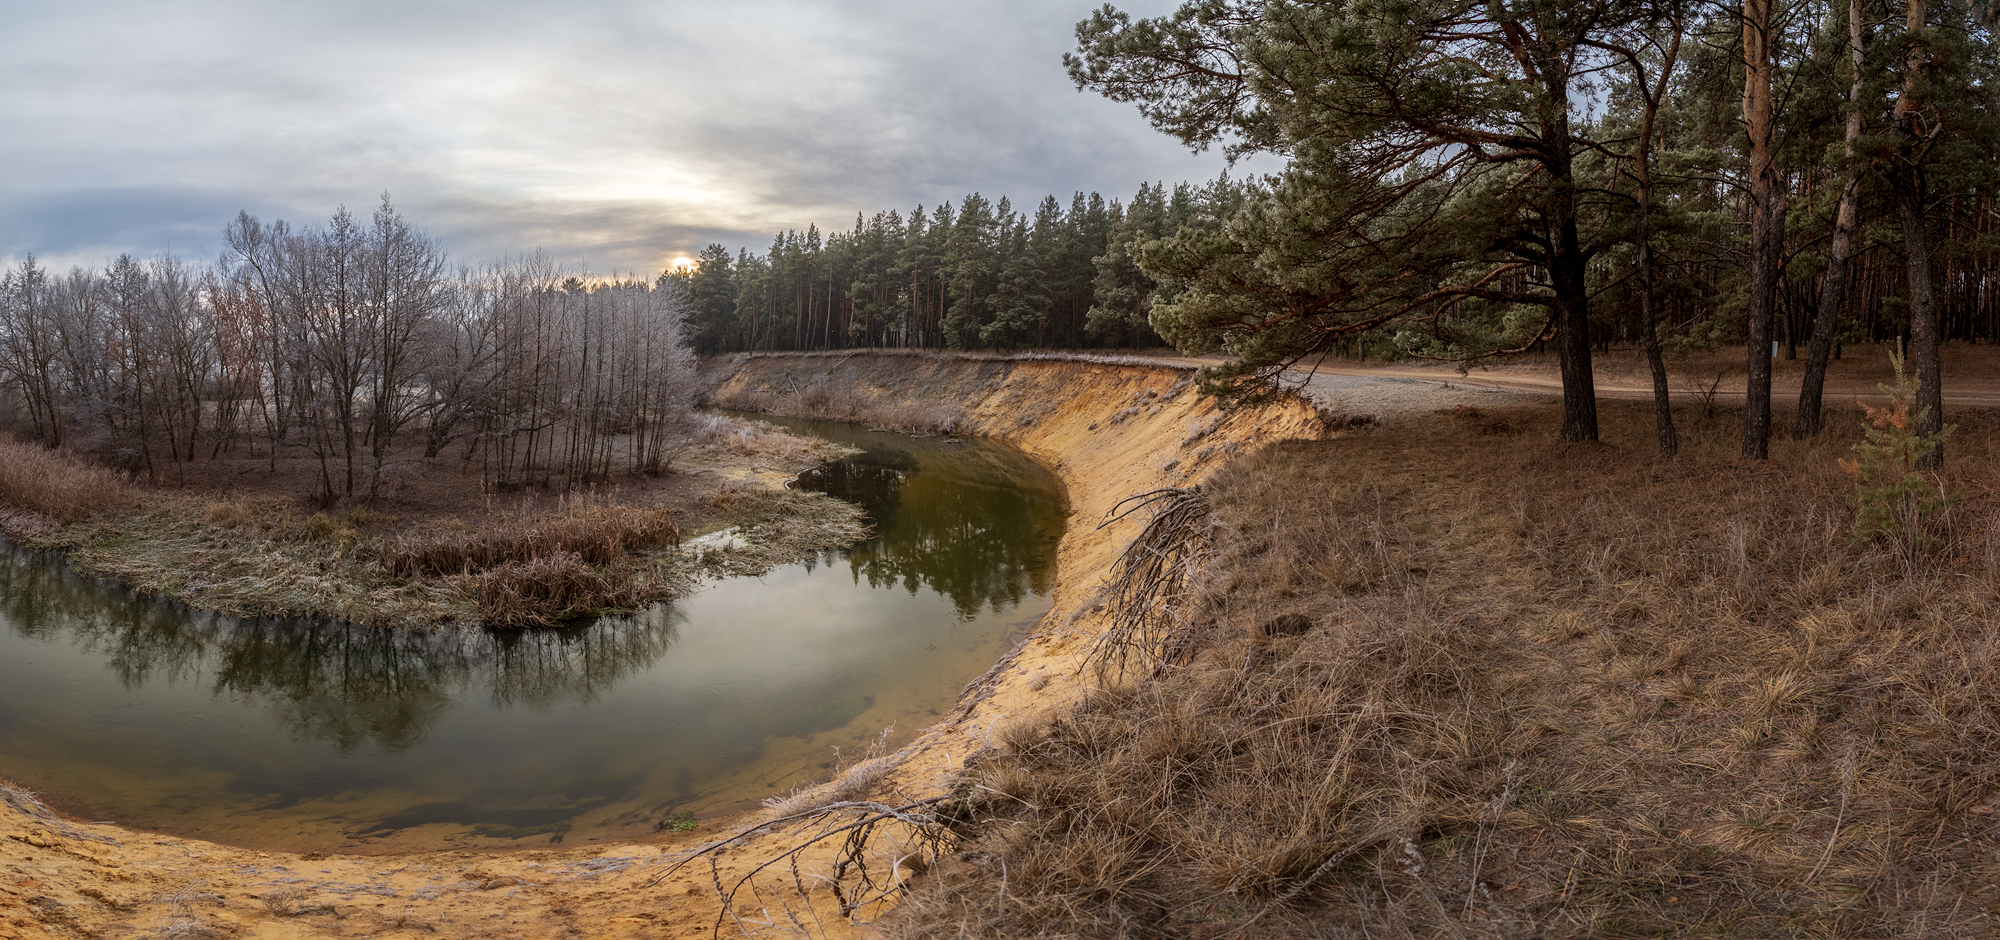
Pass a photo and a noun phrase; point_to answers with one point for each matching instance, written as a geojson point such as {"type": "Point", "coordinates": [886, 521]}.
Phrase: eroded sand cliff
{"type": "Point", "coordinates": [1109, 429]}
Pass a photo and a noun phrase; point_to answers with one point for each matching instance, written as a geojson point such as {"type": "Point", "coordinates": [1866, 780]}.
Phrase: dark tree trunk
{"type": "Point", "coordinates": [1572, 314]}
{"type": "Point", "coordinates": [1833, 291]}
{"type": "Point", "coordinates": [1572, 297]}
{"type": "Point", "coordinates": [1663, 409]}
{"type": "Point", "coordinates": [1765, 232]}
{"type": "Point", "coordinates": [1924, 333]}
{"type": "Point", "coordinates": [1924, 327]}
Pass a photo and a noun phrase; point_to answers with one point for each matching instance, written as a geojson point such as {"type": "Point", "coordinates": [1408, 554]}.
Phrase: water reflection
{"type": "Point", "coordinates": [344, 685]}
{"type": "Point", "coordinates": [300, 734]}
{"type": "Point", "coordinates": [955, 518]}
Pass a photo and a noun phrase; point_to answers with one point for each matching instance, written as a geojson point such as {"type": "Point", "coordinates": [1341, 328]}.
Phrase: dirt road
{"type": "Point", "coordinates": [1390, 390]}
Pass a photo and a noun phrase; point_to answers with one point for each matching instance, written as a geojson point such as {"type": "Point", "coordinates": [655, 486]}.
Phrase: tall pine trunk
{"type": "Point", "coordinates": [1909, 190]}
{"type": "Point", "coordinates": [1663, 409]}
{"type": "Point", "coordinates": [1765, 238]}
{"type": "Point", "coordinates": [1572, 298]}
{"type": "Point", "coordinates": [1833, 290]}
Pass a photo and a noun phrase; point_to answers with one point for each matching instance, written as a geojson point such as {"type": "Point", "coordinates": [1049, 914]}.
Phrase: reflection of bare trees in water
{"type": "Point", "coordinates": [341, 684]}
{"type": "Point", "coordinates": [540, 668]}
{"type": "Point", "coordinates": [969, 523]}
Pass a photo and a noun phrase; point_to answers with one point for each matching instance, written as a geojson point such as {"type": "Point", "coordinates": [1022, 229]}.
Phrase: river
{"type": "Point", "coordinates": [314, 736]}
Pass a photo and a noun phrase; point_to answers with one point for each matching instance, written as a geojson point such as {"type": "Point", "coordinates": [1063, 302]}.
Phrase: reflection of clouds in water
{"type": "Point", "coordinates": [331, 682]}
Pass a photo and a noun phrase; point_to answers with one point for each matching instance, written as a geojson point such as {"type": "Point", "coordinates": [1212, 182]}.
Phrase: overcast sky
{"type": "Point", "coordinates": [617, 133]}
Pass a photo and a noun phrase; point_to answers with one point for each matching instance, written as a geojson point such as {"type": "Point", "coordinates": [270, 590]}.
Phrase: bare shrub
{"type": "Point", "coordinates": [283, 902]}
{"type": "Point", "coordinates": [1151, 592]}
{"type": "Point", "coordinates": [56, 483]}
{"type": "Point", "coordinates": [546, 590]}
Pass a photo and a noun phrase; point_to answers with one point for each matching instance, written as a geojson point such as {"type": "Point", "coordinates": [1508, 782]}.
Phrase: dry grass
{"type": "Point", "coordinates": [1459, 683]}
{"type": "Point", "coordinates": [595, 533]}
{"type": "Point", "coordinates": [853, 781]}
{"type": "Point", "coordinates": [548, 589]}
{"type": "Point", "coordinates": [757, 440]}
{"type": "Point", "coordinates": [836, 398]}
{"type": "Point", "coordinates": [57, 484]}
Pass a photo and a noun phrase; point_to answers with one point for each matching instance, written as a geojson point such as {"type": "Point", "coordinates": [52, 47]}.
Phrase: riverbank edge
{"type": "Point", "coordinates": [1109, 428]}
{"type": "Point", "coordinates": [263, 557]}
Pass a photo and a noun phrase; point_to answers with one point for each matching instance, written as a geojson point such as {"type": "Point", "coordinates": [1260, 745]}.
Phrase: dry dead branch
{"type": "Point", "coordinates": [926, 838]}
{"type": "Point", "coordinates": [1150, 590]}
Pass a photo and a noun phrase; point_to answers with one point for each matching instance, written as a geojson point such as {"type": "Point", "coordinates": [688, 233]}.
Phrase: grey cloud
{"type": "Point", "coordinates": [621, 132]}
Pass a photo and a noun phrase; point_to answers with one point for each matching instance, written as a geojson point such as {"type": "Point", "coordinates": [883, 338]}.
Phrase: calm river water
{"type": "Point", "coordinates": [306, 735]}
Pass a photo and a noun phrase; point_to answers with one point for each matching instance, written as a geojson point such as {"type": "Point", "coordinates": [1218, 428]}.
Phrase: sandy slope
{"type": "Point", "coordinates": [1109, 431]}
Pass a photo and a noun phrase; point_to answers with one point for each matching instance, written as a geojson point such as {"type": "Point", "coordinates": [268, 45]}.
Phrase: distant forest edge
{"type": "Point", "coordinates": [980, 275]}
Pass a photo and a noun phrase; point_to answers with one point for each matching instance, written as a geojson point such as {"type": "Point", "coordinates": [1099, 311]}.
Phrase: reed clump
{"type": "Point", "coordinates": [595, 534]}
{"type": "Point", "coordinates": [549, 589]}
{"type": "Point", "coordinates": [57, 484]}
{"type": "Point", "coordinates": [1439, 682]}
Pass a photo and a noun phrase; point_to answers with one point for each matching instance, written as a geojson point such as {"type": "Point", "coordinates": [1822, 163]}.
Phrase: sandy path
{"type": "Point", "coordinates": [1389, 391]}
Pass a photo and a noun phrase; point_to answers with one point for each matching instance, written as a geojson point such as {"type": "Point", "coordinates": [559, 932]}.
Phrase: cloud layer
{"type": "Point", "coordinates": [617, 133]}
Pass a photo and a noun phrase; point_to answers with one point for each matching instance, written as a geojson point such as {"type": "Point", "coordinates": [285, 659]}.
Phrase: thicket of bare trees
{"type": "Point", "coordinates": [352, 344]}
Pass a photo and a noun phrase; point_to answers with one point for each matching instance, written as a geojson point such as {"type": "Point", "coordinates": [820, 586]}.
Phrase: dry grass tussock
{"type": "Point", "coordinates": [756, 440]}
{"type": "Point", "coordinates": [55, 483]}
{"type": "Point", "coordinates": [852, 782]}
{"type": "Point", "coordinates": [1450, 683]}
{"type": "Point", "coordinates": [547, 589]}
{"type": "Point", "coordinates": [593, 533]}
{"type": "Point", "coordinates": [836, 398]}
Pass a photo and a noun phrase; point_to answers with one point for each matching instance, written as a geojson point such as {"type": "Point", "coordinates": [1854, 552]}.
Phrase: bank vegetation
{"type": "Point", "coordinates": [1440, 679]}
{"type": "Point", "coordinates": [332, 421]}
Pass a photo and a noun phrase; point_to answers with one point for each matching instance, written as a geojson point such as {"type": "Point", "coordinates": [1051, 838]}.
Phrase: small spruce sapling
{"type": "Point", "coordinates": [1893, 501]}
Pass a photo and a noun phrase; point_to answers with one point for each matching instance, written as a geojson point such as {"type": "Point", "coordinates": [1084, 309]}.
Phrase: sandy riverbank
{"type": "Point", "coordinates": [1110, 430]}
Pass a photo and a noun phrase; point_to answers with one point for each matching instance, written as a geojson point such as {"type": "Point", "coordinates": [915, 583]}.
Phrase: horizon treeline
{"type": "Point", "coordinates": [978, 275]}
{"type": "Point", "coordinates": [351, 343]}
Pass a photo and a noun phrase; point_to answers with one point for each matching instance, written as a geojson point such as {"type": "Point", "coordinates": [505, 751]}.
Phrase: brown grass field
{"type": "Point", "coordinates": [1453, 679]}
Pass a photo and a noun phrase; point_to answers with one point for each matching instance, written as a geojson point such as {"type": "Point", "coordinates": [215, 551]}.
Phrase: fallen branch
{"type": "Point", "coordinates": [1148, 590]}
{"type": "Point", "coordinates": [934, 840]}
